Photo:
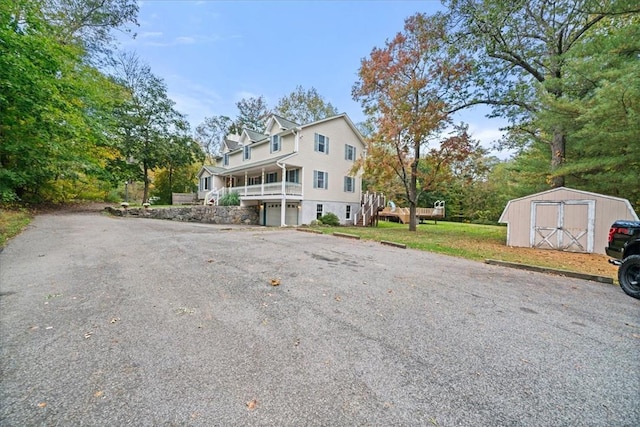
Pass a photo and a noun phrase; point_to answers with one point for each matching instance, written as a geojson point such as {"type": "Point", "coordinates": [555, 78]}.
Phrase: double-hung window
{"type": "Point", "coordinates": [349, 152]}
{"type": "Point", "coordinates": [205, 183]}
{"type": "Point", "coordinates": [320, 179]}
{"type": "Point", "coordinates": [319, 210]}
{"type": "Point", "coordinates": [246, 151]}
{"type": "Point", "coordinates": [293, 175]}
{"type": "Point", "coordinates": [349, 184]}
{"type": "Point", "coordinates": [271, 177]}
{"type": "Point", "coordinates": [321, 143]}
{"type": "Point", "coordinates": [225, 159]}
{"type": "Point", "coordinates": [275, 143]}
{"type": "Point", "coordinates": [348, 213]}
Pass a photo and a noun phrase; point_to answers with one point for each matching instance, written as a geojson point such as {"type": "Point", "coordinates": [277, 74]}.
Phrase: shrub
{"type": "Point", "coordinates": [230, 199]}
{"type": "Point", "coordinates": [330, 219]}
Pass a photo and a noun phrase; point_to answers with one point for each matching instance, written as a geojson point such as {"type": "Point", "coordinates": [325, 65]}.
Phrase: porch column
{"type": "Point", "coordinates": [245, 183]}
{"type": "Point", "coordinates": [262, 182]}
{"type": "Point", "coordinates": [283, 204]}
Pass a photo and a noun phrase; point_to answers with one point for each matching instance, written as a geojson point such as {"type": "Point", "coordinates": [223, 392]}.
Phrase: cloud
{"type": "Point", "coordinates": [148, 34]}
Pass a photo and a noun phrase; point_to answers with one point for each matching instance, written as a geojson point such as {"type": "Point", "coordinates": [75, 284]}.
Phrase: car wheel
{"type": "Point", "coordinates": [629, 275]}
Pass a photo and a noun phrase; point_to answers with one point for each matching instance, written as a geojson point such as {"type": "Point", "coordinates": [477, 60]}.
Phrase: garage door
{"type": "Point", "coordinates": [563, 225]}
{"type": "Point", "coordinates": [272, 214]}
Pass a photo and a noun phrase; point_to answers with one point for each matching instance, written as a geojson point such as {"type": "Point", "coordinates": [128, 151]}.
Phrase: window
{"type": "Point", "coordinates": [271, 177]}
{"type": "Point", "coordinates": [293, 176]}
{"type": "Point", "coordinates": [348, 214]}
{"type": "Point", "coordinates": [349, 184]}
{"type": "Point", "coordinates": [206, 183]}
{"type": "Point", "coordinates": [319, 210]}
{"type": "Point", "coordinates": [349, 152]}
{"type": "Point", "coordinates": [225, 159]}
{"type": "Point", "coordinates": [320, 179]}
{"type": "Point", "coordinates": [321, 143]}
{"type": "Point", "coordinates": [275, 143]}
{"type": "Point", "coordinates": [246, 152]}
{"type": "Point", "coordinates": [254, 180]}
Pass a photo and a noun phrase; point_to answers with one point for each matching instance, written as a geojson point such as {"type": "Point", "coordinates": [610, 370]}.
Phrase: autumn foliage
{"type": "Point", "coordinates": [407, 88]}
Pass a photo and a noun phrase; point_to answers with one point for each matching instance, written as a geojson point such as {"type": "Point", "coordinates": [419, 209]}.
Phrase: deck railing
{"type": "Point", "coordinates": [370, 204]}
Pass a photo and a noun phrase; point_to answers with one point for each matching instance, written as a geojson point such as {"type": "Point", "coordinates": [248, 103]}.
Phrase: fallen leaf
{"type": "Point", "coordinates": [209, 260]}
{"type": "Point", "coordinates": [42, 404]}
{"type": "Point", "coordinates": [252, 404]}
{"type": "Point", "coordinates": [275, 282]}
{"type": "Point", "coordinates": [338, 298]}
{"type": "Point", "coordinates": [98, 393]}
{"type": "Point", "coordinates": [88, 334]}
{"type": "Point", "coordinates": [114, 319]}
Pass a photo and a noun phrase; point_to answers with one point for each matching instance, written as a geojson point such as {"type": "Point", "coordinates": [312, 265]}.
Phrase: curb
{"type": "Point", "coordinates": [348, 236]}
{"type": "Point", "coordinates": [394, 244]}
{"type": "Point", "coordinates": [548, 270]}
{"type": "Point", "coordinates": [308, 230]}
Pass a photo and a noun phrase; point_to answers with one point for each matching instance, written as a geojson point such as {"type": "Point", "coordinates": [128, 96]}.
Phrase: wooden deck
{"type": "Point", "coordinates": [422, 214]}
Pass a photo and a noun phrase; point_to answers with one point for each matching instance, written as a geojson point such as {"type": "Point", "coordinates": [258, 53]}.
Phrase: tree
{"type": "Point", "coordinates": [602, 111]}
{"type": "Point", "coordinates": [210, 134]}
{"type": "Point", "coordinates": [407, 88]}
{"type": "Point", "coordinates": [89, 23]}
{"type": "Point", "coordinates": [304, 106]}
{"type": "Point", "coordinates": [54, 109]}
{"type": "Point", "coordinates": [521, 48]}
{"type": "Point", "coordinates": [152, 134]}
{"type": "Point", "coordinates": [252, 114]}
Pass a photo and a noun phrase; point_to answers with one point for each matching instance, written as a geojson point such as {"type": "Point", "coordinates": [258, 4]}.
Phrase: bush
{"type": "Point", "coordinates": [230, 199]}
{"type": "Point", "coordinates": [330, 219]}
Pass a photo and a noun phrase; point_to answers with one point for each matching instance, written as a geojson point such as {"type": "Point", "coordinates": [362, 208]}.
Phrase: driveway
{"type": "Point", "coordinates": [123, 321]}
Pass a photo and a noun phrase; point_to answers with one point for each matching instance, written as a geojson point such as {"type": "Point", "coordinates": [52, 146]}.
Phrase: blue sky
{"type": "Point", "coordinates": [211, 54]}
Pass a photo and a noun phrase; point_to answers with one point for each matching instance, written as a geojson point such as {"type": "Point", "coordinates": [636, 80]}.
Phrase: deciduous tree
{"type": "Point", "coordinates": [304, 106]}
{"type": "Point", "coordinates": [521, 50]}
{"type": "Point", "coordinates": [407, 88]}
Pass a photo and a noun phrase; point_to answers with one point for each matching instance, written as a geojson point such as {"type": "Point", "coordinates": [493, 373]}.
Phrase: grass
{"type": "Point", "coordinates": [12, 222]}
{"type": "Point", "coordinates": [478, 242]}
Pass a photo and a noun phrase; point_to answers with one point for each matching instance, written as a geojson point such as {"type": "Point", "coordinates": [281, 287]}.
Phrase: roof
{"type": "Point", "coordinates": [254, 136]}
{"type": "Point", "coordinates": [284, 123]}
{"type": "Point", "coordinates": [214, 170]}
{"type": "Point", "coordinates": [586, 194]}
{"type": "Point", "coordinates": [271, 160]}
{"type": "Point", "coordinates": [231, 144]}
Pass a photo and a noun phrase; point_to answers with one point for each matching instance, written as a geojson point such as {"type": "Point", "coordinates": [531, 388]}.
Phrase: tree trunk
{"type": "Point", "coordinates": [558, 145]}
{"type": "Point", "coordinates": [413, 196]}
{"type": "Point", "coordinates": [145, 194]}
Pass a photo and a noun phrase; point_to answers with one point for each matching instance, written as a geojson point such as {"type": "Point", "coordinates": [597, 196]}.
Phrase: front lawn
{"type": "Point", "coordinates": [478, 242]}
{"type": "Point", "coordinates": [12, 222]}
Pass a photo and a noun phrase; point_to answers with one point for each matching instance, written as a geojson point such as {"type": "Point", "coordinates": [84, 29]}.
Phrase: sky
{"type": "Point", "coordinates": [211, 54]}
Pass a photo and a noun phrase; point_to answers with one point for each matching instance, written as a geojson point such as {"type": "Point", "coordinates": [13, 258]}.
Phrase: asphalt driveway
{"type": "Point", "coordinates": [122, 321]}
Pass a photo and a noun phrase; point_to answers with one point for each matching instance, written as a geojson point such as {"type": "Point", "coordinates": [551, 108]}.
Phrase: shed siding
{"type": "Point", "coordinates": [518, 215]}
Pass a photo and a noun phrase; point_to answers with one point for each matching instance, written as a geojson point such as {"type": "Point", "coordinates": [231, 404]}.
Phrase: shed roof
{"type": "Point", "coordinates": [584, 194]}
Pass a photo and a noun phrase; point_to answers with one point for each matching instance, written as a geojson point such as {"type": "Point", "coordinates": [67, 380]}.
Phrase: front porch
{"type": "Point", "coordinates": [272, 190]}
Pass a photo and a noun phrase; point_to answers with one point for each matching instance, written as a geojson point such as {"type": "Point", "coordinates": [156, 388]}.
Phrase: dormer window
{"type": "Point", "coordinates": [275, 143]}
{"type": "Point", "coordinates": [225, 159]}
{"type": "Point", "coordinates": [246, 152]}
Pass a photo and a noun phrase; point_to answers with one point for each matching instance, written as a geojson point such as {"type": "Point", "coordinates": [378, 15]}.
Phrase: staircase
{"type": "Point", "coordinates": [370, 205]}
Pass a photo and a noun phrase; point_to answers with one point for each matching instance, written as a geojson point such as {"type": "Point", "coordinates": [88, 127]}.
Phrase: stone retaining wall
{"type": "Point", "coordinates": [248, 215]}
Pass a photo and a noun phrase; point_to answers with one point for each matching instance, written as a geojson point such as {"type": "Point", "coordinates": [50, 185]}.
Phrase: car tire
{"type": "Point", "coordinates": [629, 276]}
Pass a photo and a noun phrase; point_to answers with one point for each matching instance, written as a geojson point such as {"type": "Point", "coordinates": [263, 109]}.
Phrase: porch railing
{"type": "Point", "coordinates": [268, 189]}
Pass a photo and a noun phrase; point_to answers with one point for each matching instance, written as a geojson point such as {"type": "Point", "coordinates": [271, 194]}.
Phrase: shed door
{"type": "Point", "coordinates": [563, 225]}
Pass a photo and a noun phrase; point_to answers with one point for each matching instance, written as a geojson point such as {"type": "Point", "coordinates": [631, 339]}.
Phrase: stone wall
{"type": "Point", "coordinates": [248, 215]}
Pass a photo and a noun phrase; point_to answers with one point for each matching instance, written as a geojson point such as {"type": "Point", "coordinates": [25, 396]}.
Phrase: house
{"type": "Point", "coordinates": [564, 219]}
{"type": "Point", "coordinates": [292, 173]}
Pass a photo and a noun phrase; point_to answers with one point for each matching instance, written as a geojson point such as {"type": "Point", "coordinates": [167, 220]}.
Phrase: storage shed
{"type": "Point", "coordinates": [564, 219]}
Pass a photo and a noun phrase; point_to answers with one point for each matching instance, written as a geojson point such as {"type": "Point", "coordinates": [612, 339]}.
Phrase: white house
{"type": "Point", "coordinates": [293, 173]}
